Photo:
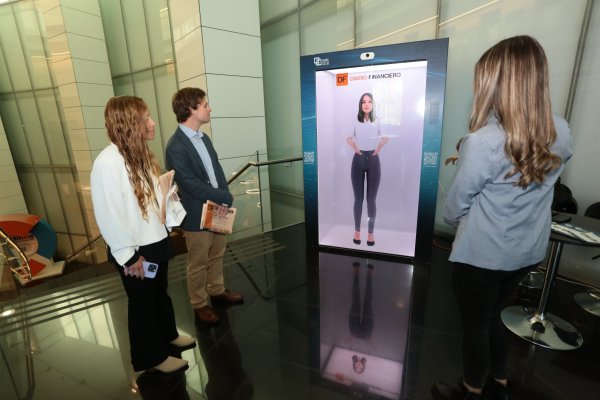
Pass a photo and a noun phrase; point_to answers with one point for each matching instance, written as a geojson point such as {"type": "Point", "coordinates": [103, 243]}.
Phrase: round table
{"type": "Point", "coordinates": [538, 326]}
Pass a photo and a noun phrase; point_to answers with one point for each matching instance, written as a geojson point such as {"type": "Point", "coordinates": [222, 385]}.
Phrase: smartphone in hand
{"type": "Point", "coordinates": [150, 269]}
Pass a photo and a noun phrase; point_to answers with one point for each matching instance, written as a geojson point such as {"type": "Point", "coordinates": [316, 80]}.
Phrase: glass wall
{"type": "Point", "coordinates": [141, 58]}
{"type": "Point", "coordinates": [295, 28]}
{"type": "Point", "coordinates": [35, 129]}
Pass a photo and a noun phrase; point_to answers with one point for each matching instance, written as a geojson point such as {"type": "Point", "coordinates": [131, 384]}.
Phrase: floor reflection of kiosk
{"type": "Point", "coordinates": [363, 330]}
{"type": "Point", "coordinates": [371, 125]}
{"type": "Point", "coordinates": [371, 129]}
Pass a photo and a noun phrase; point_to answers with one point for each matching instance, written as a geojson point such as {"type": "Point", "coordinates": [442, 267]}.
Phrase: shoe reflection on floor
{"type": "Point", "coordinates": [223, 360]}
{"type": "Point", "coordinates": [158, 386]}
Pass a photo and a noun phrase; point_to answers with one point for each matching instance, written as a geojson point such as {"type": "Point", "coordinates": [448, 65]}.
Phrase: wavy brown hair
{"type": "Point", "coordinates": [511, 81]}
{"type": "Point", "coordinates": [126, 121]}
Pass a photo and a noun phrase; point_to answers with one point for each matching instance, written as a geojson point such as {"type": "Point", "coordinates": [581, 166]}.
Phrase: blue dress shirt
{"type": "Point", "coordinates": [196, 138]}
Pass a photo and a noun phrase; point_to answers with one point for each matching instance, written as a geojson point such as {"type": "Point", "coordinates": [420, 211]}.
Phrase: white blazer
{"type": "Point", "coordinates": [116, 209]}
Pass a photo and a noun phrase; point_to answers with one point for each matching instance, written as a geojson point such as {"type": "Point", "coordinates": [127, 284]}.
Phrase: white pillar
{"type": "Point", "coordinates": [11, 195]}
{"type": "Point", "coordinates": [80, 63]}
{"type": "Point", "coordinates": [218, 49]}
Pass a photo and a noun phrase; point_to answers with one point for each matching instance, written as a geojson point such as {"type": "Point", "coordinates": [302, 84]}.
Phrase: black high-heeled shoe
{"type": "Point", "coordinates": [370, 243]}
{"type": "Point", "coordinates": [356, 241]}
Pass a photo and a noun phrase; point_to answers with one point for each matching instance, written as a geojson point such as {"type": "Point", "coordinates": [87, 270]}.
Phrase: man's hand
{"type": "Point", "coordinates": [221, 211]}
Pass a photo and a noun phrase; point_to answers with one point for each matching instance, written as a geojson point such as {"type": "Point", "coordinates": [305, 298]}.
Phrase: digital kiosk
{"type": "Point", "coordinates": [371, 127]}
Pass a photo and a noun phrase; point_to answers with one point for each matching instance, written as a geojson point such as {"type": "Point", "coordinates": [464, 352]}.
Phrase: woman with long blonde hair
{"type": "Point", "coordinates": [500, 203]}
{"type": "Point", "coordinates": [125, 189]}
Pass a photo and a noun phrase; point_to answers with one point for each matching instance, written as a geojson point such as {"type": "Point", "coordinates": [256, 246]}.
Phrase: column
{"type": "Point", "coordinates": [11, 196]}
{"type": "Point", "coordinates": [218, 48]}
{"type": "Point", "coordinates": [80, 64]}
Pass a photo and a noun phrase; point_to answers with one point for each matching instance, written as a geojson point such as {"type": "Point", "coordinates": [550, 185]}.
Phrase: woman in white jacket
{"type": "Point", "coordinates": [124, 183]}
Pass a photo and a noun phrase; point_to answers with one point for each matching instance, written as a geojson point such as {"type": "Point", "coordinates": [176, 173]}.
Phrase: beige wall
{"type": "Point", "coordinates": [11, 196]}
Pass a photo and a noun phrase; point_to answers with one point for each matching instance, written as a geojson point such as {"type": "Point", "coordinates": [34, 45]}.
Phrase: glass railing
{"type": "Point", "coordinates": [268, 194]}
{"type": "Point", "coordinates": [267, 191]}
{"type": "Point", "coordinates": [16, 366]}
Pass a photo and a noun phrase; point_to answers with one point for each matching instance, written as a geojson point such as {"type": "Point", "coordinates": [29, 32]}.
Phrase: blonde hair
{"type": "Point", "coordinates": [127, 125]}
{"type": "Point", "coordinates": [511, 81]}
{"type": "Point", "coordinates": [453, 159]}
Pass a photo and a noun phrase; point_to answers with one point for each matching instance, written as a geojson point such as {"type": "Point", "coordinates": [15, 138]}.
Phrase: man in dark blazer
{"type": "Point", "coordinates": [200, 177]}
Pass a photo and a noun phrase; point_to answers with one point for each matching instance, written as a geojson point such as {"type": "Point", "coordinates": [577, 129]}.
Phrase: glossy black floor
{"type": "Point", "coordinates": [307, 319]}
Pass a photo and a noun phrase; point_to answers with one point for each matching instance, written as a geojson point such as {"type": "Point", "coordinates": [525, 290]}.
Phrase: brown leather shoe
{"type": "Point", "coordinates": [227, 297]}
{"type": "Point", "coordinates": [206, 314]}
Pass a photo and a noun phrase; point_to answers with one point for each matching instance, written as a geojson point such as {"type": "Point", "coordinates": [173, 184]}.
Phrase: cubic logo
{"type": "Point", "coordinates": [341, 79]}
{"type": "Point", "coordinates": [318, 61]}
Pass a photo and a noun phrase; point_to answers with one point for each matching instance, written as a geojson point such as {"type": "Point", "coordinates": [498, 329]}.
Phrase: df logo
{"type": "Point", "coordinates": [341, 79]}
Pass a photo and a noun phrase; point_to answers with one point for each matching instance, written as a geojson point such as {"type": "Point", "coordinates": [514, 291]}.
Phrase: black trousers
{"type": "Point", "coordinates": [367, 166]}
{"type": "Point", "coordinates": [481, 294]}
{"type": "Point", "coordinates": [151, 319]}
{"type": "Point", "coordinates": [360, 319]}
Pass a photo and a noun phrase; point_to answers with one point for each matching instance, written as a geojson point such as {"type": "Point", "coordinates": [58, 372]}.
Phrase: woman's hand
{"type": "Point", "coordinates": [382, 143]}
{"type": "Point", "coordinates": [351, 143]}
{"type": "Point", "coordinates": [136, 270]}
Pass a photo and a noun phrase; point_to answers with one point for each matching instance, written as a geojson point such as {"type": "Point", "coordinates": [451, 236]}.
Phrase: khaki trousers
{"type": "Point", "coordinates": [204, 265]}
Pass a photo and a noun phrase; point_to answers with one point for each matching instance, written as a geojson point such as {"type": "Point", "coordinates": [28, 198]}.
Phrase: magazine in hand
{"type": "Point", "coordinates": [216, 223]}
{"type": "Point", "coordinates": [171, 209]}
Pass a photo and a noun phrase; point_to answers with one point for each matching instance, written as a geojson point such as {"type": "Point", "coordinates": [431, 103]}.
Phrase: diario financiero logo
{"type": "Point", "coordinates": [341, 79]}
{"type": "Point", "coordinates": [321, 61]}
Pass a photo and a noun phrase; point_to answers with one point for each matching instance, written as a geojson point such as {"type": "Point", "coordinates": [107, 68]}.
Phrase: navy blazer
{"type": "Point", "coordinates": [192, 179]}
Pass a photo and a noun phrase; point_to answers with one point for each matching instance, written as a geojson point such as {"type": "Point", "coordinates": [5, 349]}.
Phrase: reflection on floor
{"type": "Point", "coordinates": [313, 326]}
{"type": "Point", "coordinates": [363, 322]}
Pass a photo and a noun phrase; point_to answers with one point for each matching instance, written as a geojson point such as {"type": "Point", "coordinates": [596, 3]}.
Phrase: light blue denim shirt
{"type": "Point", "coordinates": [196, 138]}
{"type": "Point", "coordinates": [500, 226]}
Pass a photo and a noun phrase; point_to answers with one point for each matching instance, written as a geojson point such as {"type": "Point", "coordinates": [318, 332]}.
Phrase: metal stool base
{"type": "Point", "coordinates": [533, 280]}
{"type": "Point", "coordinates": [557, 333]}
{"type": "Point", "coordinates": [589, 301]}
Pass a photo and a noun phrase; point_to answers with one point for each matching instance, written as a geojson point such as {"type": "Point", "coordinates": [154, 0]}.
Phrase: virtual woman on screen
{"type": "Point", "coordinates": [367, 142]}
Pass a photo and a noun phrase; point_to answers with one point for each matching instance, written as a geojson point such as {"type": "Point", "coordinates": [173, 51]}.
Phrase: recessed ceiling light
{"type": "Point", "coordinates": [7, 313]}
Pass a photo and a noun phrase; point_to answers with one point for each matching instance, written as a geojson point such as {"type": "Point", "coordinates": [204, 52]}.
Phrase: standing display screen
{"type": "Point", "coordinates": [372, 122]}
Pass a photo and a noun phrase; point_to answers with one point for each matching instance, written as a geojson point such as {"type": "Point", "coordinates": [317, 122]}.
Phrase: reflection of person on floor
{"type": "Point", "coordinates": [359, 364]}
{"type": "Point", "coordinates": [360, 319]}
{"type": "Point", "coordinates": [223, 360]}
{"type": "Point", "coordinates": [366, 141]}
{"type": "Point", "coordinates": [165, 387]}
{"type": "Point", "coordinates": [500, 203]}
{"type": "Point", "coordinates": [124, 185]}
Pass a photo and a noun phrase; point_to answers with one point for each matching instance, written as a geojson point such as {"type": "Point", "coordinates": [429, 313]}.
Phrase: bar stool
{"type": "Point", "coordinates": [590, 300]}
{"type": "Point", "coordinates": [538, 326]}
{"type": "Point", "coordinates": [562, 202]}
